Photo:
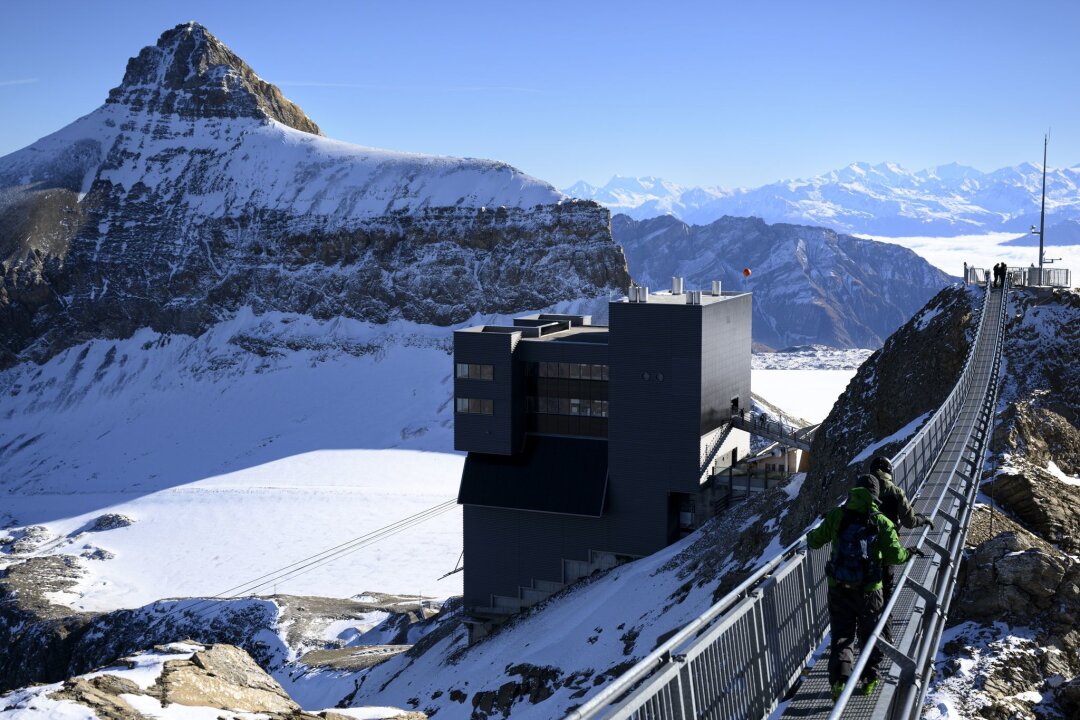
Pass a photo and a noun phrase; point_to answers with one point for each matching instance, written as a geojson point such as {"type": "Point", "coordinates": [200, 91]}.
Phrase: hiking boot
{"type": "Point", "coordinates": [837, 690]}
{"type": "Point", "coordinates": [869, 685]}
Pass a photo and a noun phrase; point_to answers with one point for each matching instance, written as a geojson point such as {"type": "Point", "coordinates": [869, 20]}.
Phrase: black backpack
{"type": "Point", "coordinates": [854, 557]}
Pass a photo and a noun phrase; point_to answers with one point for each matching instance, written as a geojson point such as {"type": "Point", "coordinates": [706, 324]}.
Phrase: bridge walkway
{"type": "Point", "coordinates": [747, 652]}
{"type": "Point", "coordinates": [952, 479]}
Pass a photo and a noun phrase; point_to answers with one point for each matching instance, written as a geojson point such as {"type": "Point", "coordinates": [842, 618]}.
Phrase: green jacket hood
{"type": "Point", "coordinates": [860, 500]}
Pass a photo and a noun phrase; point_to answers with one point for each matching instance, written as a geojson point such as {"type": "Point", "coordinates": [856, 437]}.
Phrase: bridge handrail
{"type": "Point", "coordinates": [912, 457]}
{"type": "Point", "coordinates": [948, 566]}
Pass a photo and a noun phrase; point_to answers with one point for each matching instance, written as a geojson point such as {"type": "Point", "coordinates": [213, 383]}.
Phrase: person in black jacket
{"type": "Point", "coordinates": [893, 503]}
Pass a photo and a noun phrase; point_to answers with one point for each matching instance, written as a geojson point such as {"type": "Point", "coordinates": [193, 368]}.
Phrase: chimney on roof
{"type": "Point", "coordinates": [676, 286]}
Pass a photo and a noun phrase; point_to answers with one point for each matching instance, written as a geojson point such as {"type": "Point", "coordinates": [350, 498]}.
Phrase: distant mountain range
{"type": "Point", "coordinates": [810, 284]}
{"type": "Point", "coordinates": [883, 199]}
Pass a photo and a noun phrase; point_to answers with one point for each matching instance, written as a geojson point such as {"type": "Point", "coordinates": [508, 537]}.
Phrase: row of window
{"type": "Point", "coordinates": [474, 371]}
{"type": "Point", "coordinates": [476, 406]}
{"type": "Point", "coordinates": [576, 371]}
{"type": "Point", "coordinates": [566, 406]}
{"type": "Point", "coordinates": [566, 425]}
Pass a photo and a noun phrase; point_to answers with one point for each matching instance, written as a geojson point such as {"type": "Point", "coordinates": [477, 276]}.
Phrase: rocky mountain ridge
{"type": "Point", "coordinates": [810, 284]}
{"type": "Point", "coordinates": [883, 199]}
{"type": "Point", "coordinates": [198, 189]}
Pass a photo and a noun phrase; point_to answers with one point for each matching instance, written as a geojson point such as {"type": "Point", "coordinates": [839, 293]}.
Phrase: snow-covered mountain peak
{"type": "Point", "coordinates": [192, 74]}
{"type": "Point", "coordinates": [198, 188]}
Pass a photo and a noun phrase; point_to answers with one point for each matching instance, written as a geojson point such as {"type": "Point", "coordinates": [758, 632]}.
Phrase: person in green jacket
{"type": "Point", "coordinates": [864, 542]}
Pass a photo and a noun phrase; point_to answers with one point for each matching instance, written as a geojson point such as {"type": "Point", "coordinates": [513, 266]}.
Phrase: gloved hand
{"type": "Point", "coordinates": [917, 551]}
{"type": "Point", "coordinates": [922, 520]}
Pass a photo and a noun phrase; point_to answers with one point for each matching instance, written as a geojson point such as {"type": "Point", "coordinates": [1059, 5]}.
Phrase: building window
{"type": "Point", "coordinates": [475, 406]}
{"type": "Point", "coordinates": [570, 371]}
{"type": "Point", "coordinates": [474, 371]}
{"type": "Point", "coordinates": [566, 406]}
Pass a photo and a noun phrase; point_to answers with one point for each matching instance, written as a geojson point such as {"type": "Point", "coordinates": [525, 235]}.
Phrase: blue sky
{"type": "Point", "coordinates": [710, 93]}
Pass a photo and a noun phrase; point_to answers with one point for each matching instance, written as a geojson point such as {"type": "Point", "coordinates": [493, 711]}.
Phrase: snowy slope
{"type": "Point", "coordinates": [267, 165]}
{"type": "Point", "coordinates": [259, 443]}
{"type": "Point", "coordinates": [263, 441]}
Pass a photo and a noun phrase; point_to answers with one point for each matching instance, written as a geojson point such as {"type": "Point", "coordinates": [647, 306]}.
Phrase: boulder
{"type": "Point", "coordinates": [221, 676]}
{"type": "Point", "coordinates": [102, 695]}
{"type": "Point", "coordinates": [111, 521]}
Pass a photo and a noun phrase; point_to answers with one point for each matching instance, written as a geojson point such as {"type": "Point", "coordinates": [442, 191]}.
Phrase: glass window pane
{"type": "Point", "coordinates": [575, 406]}
{"type": "Point", "coordinates": [598, 408]}
{"type": "Point", "coordinates": [564, 370]}
{"type": "Point", "coordinates": [462, 405]}
{"type": "Point", "coordinates": [597, 372]}
{"type": "Point", "coordinates": [474, 405]}
{"type": "Point", "coordinates": [605, 369]}
{"type": "Point", "coordinates": [564, 406]}
{"type": "Point", "coordinates": [575, 371]}
{"type": "Point", "coordinates": [487, 407]}
{"type": "Point", "coordinates": [487, 372]}
{"type": "Point", "coordinates": [462, 370]}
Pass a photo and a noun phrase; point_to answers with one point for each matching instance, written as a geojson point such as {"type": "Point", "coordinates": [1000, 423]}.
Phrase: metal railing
{"type": "Point", "coordinates": [1024, 276]}
{"type": "Point", "coordinates": [932, 581]}
{"type": "Point", "coordinates": [774, 430]}
{"type": "Point", "coordinates": [740, 657]}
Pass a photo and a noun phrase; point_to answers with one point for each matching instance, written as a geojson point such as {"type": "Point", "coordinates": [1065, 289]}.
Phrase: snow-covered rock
{"type": "Point", "coordinates": [883, 199]}
{"type": "Point", "coordinates": [197, 188]}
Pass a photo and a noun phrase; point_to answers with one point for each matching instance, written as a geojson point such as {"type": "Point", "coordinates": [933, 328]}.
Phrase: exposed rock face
{"type": "Point", "coordinates": [203, 681]}
{"type": "Point", "coordinates": [1020, 582]}
{"type": "Point", "coordinates": [810, 285]}
{"type": "Point", "coordinates": [191, 74]}
{"type": "Point", "coordinates": [1042, 503]}
{"type": "Point", "coordinates": [907, 379]}
{"type": "Point", "coordinates": [198, 189]}
{"type": "Point", "coordinates": [44, 641]}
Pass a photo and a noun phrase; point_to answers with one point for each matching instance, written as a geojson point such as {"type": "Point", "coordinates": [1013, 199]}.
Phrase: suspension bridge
{"type": "Point", "coordinates": [749, 656]}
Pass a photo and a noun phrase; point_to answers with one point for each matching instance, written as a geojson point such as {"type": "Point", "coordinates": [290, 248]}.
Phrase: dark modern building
{"type": "Point", "coordinates": [588, 445]}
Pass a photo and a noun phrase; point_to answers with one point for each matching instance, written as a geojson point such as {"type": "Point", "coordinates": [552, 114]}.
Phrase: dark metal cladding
{"type": "Point", "coordinates": [540, 509]}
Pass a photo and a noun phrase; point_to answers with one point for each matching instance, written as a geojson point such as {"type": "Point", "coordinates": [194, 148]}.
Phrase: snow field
{"type": "Point", "coordinates": [235, 461]}
{"type": "Point", "coordinates": [809, 394]}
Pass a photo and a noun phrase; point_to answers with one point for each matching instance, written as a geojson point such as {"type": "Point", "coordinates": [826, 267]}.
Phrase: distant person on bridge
{"type": "Point", "coordinates": [863, 542]}
{"type": "Point", "coordinates": [893, 503]}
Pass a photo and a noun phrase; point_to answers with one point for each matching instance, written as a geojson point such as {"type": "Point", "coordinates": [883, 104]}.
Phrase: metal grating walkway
{"type": "Point", "coordinates": [750, 650]}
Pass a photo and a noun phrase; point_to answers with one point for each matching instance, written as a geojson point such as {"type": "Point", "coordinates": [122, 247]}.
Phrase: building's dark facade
{"type": "Point", "coordinates": [586, 443]}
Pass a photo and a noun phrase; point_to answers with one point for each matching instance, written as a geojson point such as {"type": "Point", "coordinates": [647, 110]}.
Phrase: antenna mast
{"type": "Point", "coordinates": [1042, 211]}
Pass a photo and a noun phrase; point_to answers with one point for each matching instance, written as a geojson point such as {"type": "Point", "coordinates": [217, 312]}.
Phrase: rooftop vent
{"type": "Point", "coordinates": [676, 286]}
{"type": "Point", "coordinates": [693, 297]}
{"type": "Point", "coordinates": [716, 287]}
